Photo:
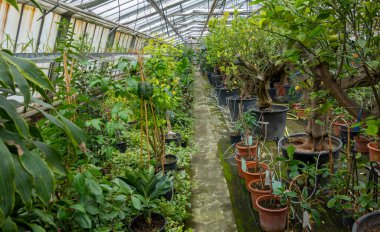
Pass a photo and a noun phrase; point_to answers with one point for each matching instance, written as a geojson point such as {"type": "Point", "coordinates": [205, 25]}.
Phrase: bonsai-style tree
{"type": "Point", "coordinates": [247, 53]}
{"type": "Point", "coordinates": [336, 45]}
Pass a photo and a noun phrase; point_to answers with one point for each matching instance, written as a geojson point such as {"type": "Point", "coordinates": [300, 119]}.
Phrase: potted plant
{"type": "Point", "coordinates": [368, 223]}
{"type": "Point", "coordinates": [146, 187]}
{"type": "Point", "coordinates": [372, 131]}
{"type": "Point", "coordinates": [258, 188]}
{"type": "Point", "coordinates": [247, 148]}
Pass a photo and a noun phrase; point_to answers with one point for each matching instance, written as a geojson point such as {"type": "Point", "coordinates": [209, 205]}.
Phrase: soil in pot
{"type": "Point", "coordinates": [375, 228]}
{"type": "Point", "coordinates": [374, 151]}
{"type": "Point", "coordinates": [248, 159]}
{"type": "Point", "coordinates": [271, 204]}
{"type": "Point", "coordinates": [170, 163]}
{"type": "Point", "coordinates": [139, 223]}
{"type": "Point", "coordinates": [361, 143]}
{"type": "Point", "coordinates": [257, 189]}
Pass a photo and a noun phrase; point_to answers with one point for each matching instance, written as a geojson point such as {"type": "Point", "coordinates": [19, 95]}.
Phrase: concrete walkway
{"type": "Point", "coordinates": [211, 204]}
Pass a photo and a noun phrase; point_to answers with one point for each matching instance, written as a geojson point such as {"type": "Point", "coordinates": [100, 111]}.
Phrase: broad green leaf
{"type": "Point", "coordinates": [331, 203]}
{"type": "Point", "coordinates": [362, 43]}
{"type": "Point", "coordinates": [92, 209]}
{"type": "Point", "coordinates": [7, 180]}
{"type": "Point", "coordinates": [9, 225]}
{"type": "Point", "coordinates": [52, 157]}
{"type": "Point", "coordinates": [290, 150]}
{"type": "Point", "coordinates": [20, 123]}
{"type": "Point", "coordinates": [372, 130]}
{"type": "Point", "coordinates": [24, 182]}
{"type": "Point", "coordinates": [78, 207]}
{"type": "Point", "coordinates": [93, 187]}
{"type": "Point", "coordinates": [136, 202]}
{"type": "Point", "coordinates": [45, 216]}
{"type": "Point", "coordinates": [22, 84]}
{"type": "Point", "coordinates": [30, 71]}
{"type": "Point", "coordinates": [36, 228]}
{"type": "Point", "coordinates": [6, 74]}
{"type": "Point", "coordinates": [44, 181]}
{"type": "Point", "coordinates": [83, 220]}
{"type": "Point", "coordinates": [75, 132]}
{"type": "Point", "coordinates": [13, 3]}
{"type": "Point", "coordinates": [79, 183]}
{"type": "Point", "coordinates": [316, 31]}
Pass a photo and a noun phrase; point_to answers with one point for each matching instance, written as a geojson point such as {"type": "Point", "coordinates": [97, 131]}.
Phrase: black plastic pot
{"type": "Point", "coordinates": [155, 217]}
{"type": "Point", "coordinates": [235, 138]}
{"type": "Point", "coordinates": [209, 77]}
{"type": "Point", "coordinates": [177, 138]}
{"type": "Point", "coordinates": [367, 221]}
{"type": "Point", "coordinates": [311, 157]}
{"type": "Point", "coordinates": [171, 166]}
{"type": "Point", "coordinates": [121, 146]}
{"type": "Point", "coordinates": [233, 103]}
{"type": "Point", "coordinates": [347, 221]}
{"type": "Point", "coordinates": [272, 92]}
{"type": "Point", "coordinates": [223, 93]}
{"type": "Point", "coordinates": [169, 195]}
{"type": "Point", "coordinates": [215, 79]}
{"type": "Point", "coordinates": [272, 121]}
{"type": "Point", "coordinates": [344, 134]}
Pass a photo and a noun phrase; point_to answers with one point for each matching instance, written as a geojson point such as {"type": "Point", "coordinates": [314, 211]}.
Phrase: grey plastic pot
{"type": "Point", "coordinates": [223, 93]}
{"type": "Point", "coordinates": [234, 102]}
{"type": "Point", "coordinates": [367, 221]}
{"type": "Point", "coordinates": [272, 121]}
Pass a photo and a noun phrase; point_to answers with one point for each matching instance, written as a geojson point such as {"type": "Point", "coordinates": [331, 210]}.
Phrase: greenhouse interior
{"type": "Point", "coordinates": [181, 116]}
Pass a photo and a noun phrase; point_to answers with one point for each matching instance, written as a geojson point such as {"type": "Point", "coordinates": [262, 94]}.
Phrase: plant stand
{"type": "Point", "coordinates": [374, 173]}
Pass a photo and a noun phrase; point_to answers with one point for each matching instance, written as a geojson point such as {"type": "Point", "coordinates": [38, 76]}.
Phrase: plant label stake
{"type": "Point", "coordinates": [305, 219]}
{"type": "Point", "coordinates": [267, 178]}
{"type": "Point", "coordinates": [243, 165]}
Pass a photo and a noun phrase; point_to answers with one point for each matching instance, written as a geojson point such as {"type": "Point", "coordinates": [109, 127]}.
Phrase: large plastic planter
{"type": "Point", "coordinates": [215, 79]}
{"type": "Point", "coordinates": [310, 157]}
{"type": "Point", "coordinates": [272, 121]}
{"type": "Point", "coordinates": [367, 221]}
{"type": "Point", "coordinates": [233, 103]}
{"type": "Point", "coordinates": [223, 93]}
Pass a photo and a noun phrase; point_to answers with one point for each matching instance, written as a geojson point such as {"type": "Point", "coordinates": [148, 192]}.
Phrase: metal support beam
{"type": "Point", "coordinates": [164, 18]}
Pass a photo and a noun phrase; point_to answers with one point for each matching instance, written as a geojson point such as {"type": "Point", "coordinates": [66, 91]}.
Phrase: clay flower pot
{"type": "Point", "coordinates": [256, 193]}
{"type": "Point", "coordinates": [273, 220]}
{"type": "Point", "coordinates": [374, 151]}
{"type": "Point", "coordinates": [238, 163]}
{"type": "Point", "coordinates": [246, 150]}
{"type": "Point", "coordinates": [300, 113]}
{"type": "Point", "coordinates": [296, 106]}
{"type": "Point", "coordinates": [281, 91]}
{"type": "Point", "coordinates": [250, 176]}
{"type": "Point", "coordinates": [361, 143]}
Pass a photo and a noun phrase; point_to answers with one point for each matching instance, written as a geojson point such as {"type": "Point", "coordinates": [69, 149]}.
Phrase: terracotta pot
{"type": "Point", "coordinates": [256, 193]}
{"type": "Point", "coordinates": [361, 143]}
{"type": "Point", "coordinates": [245, 150]}
{"type": "Point", "coordinates": [300, 113]}
{"type": "Point", "coordinates": [238, 163]}
{"type": "Point", "coordinates": [374, 151]}
{"type": "Point", "coordinates": [296, 106]}
{"type": "Point", "coordinates": [250, 176]}
{"type": "Point", "coordinates": [336, 126]}
{"type": "Point", "coordinates": [273, 220]}
{"type": "Point", "coordinates": [281, 91]}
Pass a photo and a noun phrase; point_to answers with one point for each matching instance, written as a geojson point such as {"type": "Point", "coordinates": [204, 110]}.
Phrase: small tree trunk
{"type": "Point", "coordinates": [264, 99]}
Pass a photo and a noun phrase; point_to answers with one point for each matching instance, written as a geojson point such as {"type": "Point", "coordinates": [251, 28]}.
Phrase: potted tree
{"type": "Point", "coordinates": [146, 187]}
{"type": "Point", "coordinates": [325, 70]}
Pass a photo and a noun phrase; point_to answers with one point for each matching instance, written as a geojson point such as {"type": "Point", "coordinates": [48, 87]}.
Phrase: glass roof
{"type": "Point", "coordinates": [178, 20]}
